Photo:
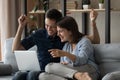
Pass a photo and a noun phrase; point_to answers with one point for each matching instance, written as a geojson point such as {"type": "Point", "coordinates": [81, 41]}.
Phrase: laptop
{"type": "Point", "coordinates": [27, 60]}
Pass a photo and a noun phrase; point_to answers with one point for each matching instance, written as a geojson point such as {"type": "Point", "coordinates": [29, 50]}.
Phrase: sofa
{"type": "Point", "coordinates": [107, 57]}
{"type": "Point", "coordinates": [8, 66]}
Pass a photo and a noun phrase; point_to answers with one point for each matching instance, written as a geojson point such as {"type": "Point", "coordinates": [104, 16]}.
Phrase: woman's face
{"type": "Point", "coordinates": [64, 34]}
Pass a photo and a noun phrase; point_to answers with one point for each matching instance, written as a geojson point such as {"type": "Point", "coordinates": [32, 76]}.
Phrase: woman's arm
{"type": "Point", "coordinates": [94, 38]}
{"type": "Point", "coordinates": [61, 53]}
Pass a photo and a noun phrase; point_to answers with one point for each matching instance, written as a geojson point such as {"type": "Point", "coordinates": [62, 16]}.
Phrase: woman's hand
{"type": "Point", "coordinates": [93, 15]}
{"type": "Point", "coordinates": [56, 53]}
{"type": "Point", "coordinates": [65, 63]}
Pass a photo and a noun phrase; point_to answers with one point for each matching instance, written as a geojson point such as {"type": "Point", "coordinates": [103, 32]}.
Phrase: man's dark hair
{"type": "Point", "coordinates": [53, 14]}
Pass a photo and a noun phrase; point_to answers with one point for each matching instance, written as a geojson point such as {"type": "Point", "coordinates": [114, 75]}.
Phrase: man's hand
{"type": "Point", "coordinates": [22, 20]}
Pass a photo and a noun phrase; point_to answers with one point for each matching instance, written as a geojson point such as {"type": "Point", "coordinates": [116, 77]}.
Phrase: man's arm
{"type": "Point", "coordinates": [95, 38]}
{"type": "Point", "coordinates": [17, 40]}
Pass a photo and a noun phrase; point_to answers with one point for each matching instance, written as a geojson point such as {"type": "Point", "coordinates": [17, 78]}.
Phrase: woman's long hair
{"type": "Point", "coordinates": [70, 24]}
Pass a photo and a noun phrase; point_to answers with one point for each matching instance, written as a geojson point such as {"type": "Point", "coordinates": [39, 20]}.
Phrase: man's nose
{"type": "Point", "coordinates": [49, 27]}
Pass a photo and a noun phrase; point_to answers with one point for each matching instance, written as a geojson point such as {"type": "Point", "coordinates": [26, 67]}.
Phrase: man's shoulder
{"type": "Point", "coordinates": [39, 32]}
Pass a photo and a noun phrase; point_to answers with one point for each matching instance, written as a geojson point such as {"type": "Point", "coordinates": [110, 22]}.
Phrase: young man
{"type": "Point", "coordinates": [45, 39]}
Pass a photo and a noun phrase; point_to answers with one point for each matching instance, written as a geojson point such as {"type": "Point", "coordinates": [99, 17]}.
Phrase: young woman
{"type": "Point", "coordinates": [77, 58]}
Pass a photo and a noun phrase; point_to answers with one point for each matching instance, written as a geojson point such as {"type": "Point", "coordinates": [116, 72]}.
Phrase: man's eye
{"type": "Point", "coordinates": [52, 26]}
{"type": "Point", "coordinates": [46, 25]}
{"type": "Point", "coordinates": [61, 31]}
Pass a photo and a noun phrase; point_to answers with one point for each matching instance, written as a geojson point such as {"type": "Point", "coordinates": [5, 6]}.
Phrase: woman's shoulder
{"type": "Point", "coordinates": [84, 39]}
{"type": "Point", "coordinates": [85, 42]}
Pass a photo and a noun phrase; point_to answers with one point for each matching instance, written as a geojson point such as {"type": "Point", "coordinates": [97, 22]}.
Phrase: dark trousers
{"type": "Point", "coordinates": [28, 75]}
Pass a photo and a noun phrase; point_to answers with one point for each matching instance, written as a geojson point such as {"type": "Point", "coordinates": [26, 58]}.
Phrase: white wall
{"type": "Point", "coordinates": [115, 25]}
{"type": "Point", "coordinates": [115, 21]}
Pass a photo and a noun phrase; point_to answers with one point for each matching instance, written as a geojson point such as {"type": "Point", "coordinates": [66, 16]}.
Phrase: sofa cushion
{"type": "Point", "coordinates": [9, 57]}
{"type": "Point", "coordinates": [112, 76]}
{"type": "Point", "coordinates": [6, 77]}
{"type": "Point", "coordinates": [107, 57]}
{"type": "Point", "coordinates": [5, 69]}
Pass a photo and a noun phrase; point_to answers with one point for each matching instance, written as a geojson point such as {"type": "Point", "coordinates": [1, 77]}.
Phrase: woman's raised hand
{"type": "Point", "coordinates": [93, 15]}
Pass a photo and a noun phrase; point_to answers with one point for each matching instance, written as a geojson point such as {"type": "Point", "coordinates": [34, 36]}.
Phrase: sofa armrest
{"type": "Point", "coordinates": [5, 69]}
{"type": "Point", "coordinates": [1, 62]}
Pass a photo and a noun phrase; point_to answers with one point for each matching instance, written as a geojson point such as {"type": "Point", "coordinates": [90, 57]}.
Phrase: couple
{"type": "Point", "coordinates": [77, 60]}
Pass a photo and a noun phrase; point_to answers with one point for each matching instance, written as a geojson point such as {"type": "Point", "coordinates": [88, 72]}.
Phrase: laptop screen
{"type": "Point", "coordinates": [27, 60]}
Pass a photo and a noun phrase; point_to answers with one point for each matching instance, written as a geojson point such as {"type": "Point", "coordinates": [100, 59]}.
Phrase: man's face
{"type": "Point", "coordinates": [50, 26]}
